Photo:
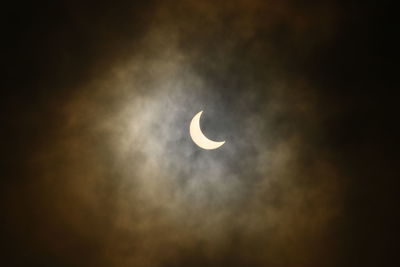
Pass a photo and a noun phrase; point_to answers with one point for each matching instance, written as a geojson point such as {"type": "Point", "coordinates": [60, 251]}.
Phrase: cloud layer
{"type": "Point", "coordinates": [118, 181]}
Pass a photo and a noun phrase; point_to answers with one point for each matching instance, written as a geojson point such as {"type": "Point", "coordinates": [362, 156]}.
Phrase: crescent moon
{"type": "Point", "coordinates": [199, 138]}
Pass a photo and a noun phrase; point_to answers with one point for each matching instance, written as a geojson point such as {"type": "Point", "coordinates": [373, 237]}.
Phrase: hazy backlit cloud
{"type": "Point", "coordinates": [113, 177]}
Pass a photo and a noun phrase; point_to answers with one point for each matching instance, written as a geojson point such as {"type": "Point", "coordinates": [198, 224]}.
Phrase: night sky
{"type": "Point", "coordinates": [98, 168]}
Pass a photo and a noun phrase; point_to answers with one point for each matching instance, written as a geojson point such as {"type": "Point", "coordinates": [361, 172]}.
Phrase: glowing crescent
{"type": "Point", "coordinates": [199, 138]}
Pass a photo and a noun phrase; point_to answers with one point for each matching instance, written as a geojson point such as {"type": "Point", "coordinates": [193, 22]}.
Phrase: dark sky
{"type": "Point", "coordinates": [97, 166]}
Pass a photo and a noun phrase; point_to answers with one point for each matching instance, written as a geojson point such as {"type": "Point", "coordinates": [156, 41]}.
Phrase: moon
{"type": "Point", "coordinates": [199, 138]}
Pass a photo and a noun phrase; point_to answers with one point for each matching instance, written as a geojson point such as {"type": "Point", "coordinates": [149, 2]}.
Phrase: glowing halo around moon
{"type": "Point", "coordinates": [199, 138]}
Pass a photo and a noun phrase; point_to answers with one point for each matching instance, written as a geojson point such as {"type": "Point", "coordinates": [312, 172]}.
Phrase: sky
{"type": "Point", "coordinates": [98, 167]}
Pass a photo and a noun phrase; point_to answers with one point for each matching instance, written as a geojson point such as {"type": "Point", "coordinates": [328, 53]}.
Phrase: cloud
{"type": "Point", "coordinates": [121, 179]}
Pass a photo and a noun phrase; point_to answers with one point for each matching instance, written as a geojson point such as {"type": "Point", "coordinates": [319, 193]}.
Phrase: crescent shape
{"type": "Point", "coordinates": [199, 138]}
